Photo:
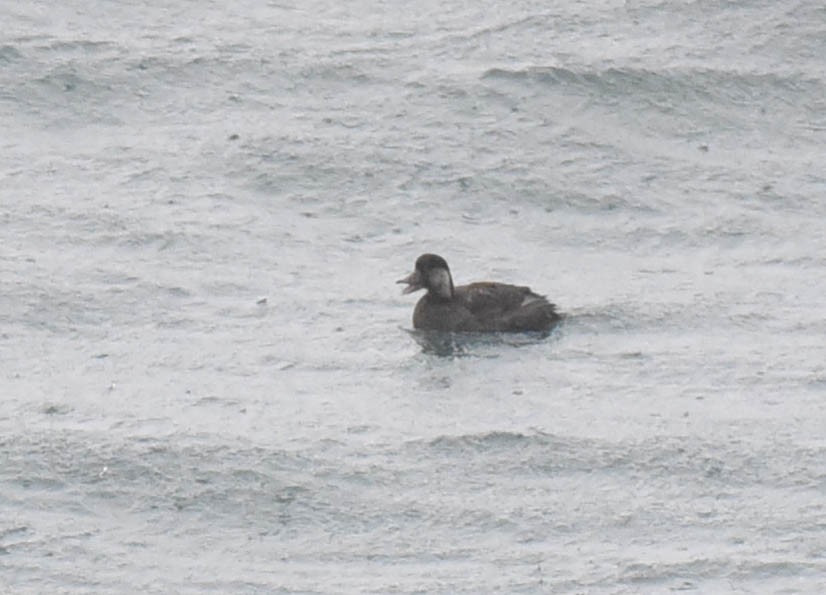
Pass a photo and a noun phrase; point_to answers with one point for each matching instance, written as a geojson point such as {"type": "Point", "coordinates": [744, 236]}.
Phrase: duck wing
{"type": "Point", "coordinates": [504, 307]}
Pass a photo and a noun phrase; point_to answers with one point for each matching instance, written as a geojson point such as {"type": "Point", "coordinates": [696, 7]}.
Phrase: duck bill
{"type": "Point", "coordinates": [413, 281]}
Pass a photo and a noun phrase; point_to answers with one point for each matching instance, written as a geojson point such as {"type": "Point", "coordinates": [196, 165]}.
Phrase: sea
{"type": "Point", "coordinates": [209, 378]}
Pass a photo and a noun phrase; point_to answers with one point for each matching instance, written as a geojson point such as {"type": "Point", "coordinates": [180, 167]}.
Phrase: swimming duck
{"type": "Point", "coordinates": [477, 307]}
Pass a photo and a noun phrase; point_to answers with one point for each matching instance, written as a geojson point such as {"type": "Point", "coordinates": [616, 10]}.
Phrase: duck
{"type": "Point", "coordinates": [480, 307]}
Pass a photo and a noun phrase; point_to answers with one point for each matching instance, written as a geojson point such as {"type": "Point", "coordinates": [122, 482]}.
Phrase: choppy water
{"type": "Point", "coordinates": [208, 383]}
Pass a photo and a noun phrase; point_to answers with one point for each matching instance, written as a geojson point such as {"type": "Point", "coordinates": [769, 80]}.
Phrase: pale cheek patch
{"type": "Point", "coordinates": [440, 282]}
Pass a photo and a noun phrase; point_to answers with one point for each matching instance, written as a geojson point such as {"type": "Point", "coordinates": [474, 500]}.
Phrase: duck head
{"type": "Point", "coordinates": [431, 273]}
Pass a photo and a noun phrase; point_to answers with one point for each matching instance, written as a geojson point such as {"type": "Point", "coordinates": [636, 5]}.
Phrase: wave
{"type": "Point", "coordinates": [684, 84]}
{"type": "Point", "coordinates": [732, 463]}
{"type": "Point", "coordinates": [8, 54]}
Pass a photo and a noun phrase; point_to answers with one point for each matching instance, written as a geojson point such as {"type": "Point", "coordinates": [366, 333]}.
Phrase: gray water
{"type": "Point", "coordinates": [208, 380]}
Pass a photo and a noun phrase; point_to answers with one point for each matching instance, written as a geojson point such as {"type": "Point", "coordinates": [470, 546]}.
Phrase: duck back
{"type": "Point", "coordinates": [504, 307]}
{"type": "Point", "coordinates": [486, 307]}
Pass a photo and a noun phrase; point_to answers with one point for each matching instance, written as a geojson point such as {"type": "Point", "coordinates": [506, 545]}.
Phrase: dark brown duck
{"type": "Point", "coordinates": [477, 307]}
